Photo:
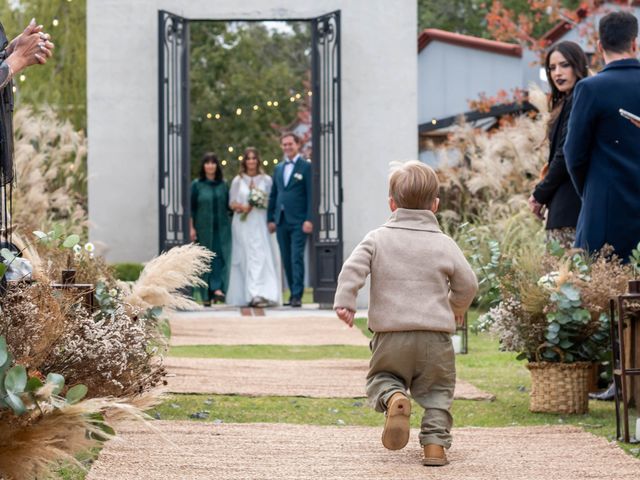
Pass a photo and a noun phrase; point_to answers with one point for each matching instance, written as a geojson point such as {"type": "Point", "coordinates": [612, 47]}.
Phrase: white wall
{"type": "Point", "coordinates": [451, 75]}
{"type": "Point", "coordinates": [379, 113]}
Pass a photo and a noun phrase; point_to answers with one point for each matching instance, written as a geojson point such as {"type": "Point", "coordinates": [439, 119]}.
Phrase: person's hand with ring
{"type": "Point", "coordinates": [31, 47]}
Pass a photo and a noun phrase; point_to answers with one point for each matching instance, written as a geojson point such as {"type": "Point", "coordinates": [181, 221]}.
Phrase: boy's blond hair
{"type": "Point", "coordinates": [413, 185]}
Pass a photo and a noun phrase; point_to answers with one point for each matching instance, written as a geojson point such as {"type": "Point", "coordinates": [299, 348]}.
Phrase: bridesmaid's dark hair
{"type": "Point", "coordinates": [576, 57]}
{"type": "Point", "coordinates": [211, 157]}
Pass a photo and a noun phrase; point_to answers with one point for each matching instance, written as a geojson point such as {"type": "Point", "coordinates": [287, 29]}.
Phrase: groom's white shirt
{"type": "Point", "coordinates": [288, 168]}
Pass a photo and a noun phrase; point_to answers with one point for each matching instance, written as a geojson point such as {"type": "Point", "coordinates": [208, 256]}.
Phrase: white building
{"type": "Point", "coordinates": [377, 109]}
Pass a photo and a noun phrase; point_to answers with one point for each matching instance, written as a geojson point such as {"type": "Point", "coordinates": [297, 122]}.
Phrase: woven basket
{"type": "Point", "coordinates": [559, 387]}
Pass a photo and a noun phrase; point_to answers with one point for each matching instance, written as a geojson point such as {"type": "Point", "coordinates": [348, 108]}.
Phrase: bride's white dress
{"type": "Point", "coordinates": [254, 254]}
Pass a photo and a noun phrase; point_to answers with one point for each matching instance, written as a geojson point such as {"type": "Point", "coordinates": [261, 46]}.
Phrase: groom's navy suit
{"type": "Point", "coordinates": [602, 151]}
{"type": "Point", "coordinates": [290, 205]}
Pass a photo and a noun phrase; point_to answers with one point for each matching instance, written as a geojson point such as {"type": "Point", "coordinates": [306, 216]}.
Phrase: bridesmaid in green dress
{"type": "Point", "coordinates": [211, 227]}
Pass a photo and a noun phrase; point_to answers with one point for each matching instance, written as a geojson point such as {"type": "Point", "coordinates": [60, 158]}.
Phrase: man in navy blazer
{"type": "Point", "coordinates": [602, 148]}
{"type": "Point", "coordinates": [290, 212]}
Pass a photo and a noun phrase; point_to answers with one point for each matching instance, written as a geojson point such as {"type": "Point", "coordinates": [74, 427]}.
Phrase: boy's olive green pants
{"type": "Point", "coordinates": [422, 362]}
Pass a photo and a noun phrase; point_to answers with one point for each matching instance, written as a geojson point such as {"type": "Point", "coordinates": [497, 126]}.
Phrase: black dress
{"type": "Point", "coordinates": [556, 191]}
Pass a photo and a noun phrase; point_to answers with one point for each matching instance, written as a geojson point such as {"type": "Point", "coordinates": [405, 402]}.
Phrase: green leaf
{"type": "Point", "coordinates": [15, 379]}
{"type": "Point", "coordinates": [564, 344]}
{"type": "Point", "coordinates": [76, 393]}
{"type": "Point", "coordinates": [57, 380]}
{"type": "Point", "coordinates": [7, 254]}
{"type": "Point", "coordinates": [571, 292]}
{"type": "Point", "coordinates": [33, 384]}
{"type": "Point", "coordinates": [15, 402]}
{"type": "Point", "coordinates": [71, 241]}
{"type": "Point", "coordinates": [3, 269]}
{"type": "Point", "coordinates": [4, 354]}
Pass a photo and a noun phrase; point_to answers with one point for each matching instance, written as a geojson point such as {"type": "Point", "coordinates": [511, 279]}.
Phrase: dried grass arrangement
{"type": "Point", "coordinates": [114, 353]}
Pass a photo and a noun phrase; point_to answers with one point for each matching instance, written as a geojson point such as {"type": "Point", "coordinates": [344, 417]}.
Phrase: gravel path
{"type": "Point", "coordinates": [344, 378]}
{"type": "Point", "coordinates": [207, 330]}
{"type": "Point", "coordinates": [190, 450]}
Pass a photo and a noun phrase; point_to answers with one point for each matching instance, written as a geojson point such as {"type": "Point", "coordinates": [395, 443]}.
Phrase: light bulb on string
{"type": "Point", "coordinates": [240, 157]}
{"type": "Point", "coordinates": [209, 116]}
{"type": "Point", "coordinates": [275, 104]}
{"type": "Point", "coordinates": [256, 107]}
{"type": "Point", "coordinates": [275, 161]}
{"type": "Point", "coordinates": [309, 93]}
{"type": "Point", "coordinates": [238, 111]}
{"type": "Point", "coordinates": [224, 163]}
{"type": "Point", "coordinates": [269, 103]}
{"type": "Point", "coordinates": [15, 89]}
{"type": "Point", "coordinates": [292, 99]}
{"type": "Point", "coordinates": [23, 78]}
{"type": "Point", "coordinates": [265, 163]}
{"type": "Point", "coordinates": [218, 116]}
{"type": "Point", "coordinates": [55, 22]}
{"type": "Point", "coordinates": [230, 149]}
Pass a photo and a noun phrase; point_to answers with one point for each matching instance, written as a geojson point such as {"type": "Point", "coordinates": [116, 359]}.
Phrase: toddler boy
{"type": "Point", "coordinates": [421, 286]}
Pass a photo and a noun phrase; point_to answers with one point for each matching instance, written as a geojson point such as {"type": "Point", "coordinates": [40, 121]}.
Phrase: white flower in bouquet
{"type": "Point", "coordinates": [257, 199]}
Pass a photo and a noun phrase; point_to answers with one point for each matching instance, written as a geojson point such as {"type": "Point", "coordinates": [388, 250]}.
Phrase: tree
{"type": "Point", "coordinates": [472, 17]}
{"type": "Point", "coordinates": [62, 82]}
{"type": "Point", "coordinates": [236, 69]}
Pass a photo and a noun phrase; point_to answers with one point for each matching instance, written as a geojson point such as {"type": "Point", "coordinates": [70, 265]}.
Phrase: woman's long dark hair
{"type": "Point", "coordinates": [576, 57]}
{"type": "Point", "coordinates": [211, 157]}
{"type": "Point", "coordinates": [243, 165]}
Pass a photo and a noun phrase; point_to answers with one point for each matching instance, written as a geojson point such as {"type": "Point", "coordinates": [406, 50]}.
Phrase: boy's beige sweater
{"type": "Point", "coordinates": [419, 276]}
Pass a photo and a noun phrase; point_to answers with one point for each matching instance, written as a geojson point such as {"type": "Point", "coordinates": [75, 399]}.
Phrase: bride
{"type": "Point", "coordinates": [254, 278]}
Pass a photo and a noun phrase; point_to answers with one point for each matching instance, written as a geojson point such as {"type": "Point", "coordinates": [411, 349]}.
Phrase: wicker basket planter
{"type": "Point", "coordinates": [559, 387]}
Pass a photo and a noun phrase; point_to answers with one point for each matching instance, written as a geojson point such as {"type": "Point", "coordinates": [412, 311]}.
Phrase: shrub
{"type": "Point", "coordinates": [128, 272]}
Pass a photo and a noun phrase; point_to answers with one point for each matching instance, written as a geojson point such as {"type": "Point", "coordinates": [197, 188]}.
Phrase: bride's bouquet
{"type": "Point", "coordinates": [257, 199]}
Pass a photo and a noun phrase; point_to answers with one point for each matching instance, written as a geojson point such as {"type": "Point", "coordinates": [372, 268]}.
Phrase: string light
{"type": "Point", "coordinates": [265, 163]}
{"type": "Point", "coordinates": [298, 96]}
{"type": "Point", "coordinates": [230, 149]}
{"type": "Point", "coordinates": [238, 111]}
{"type": "Point", "coordinates": [224, 163]}
{"type": "Point", "coordinates": [434, 121]}
{"type": "Point", "coordinates": [209, 116]}
{"type": "Point", "coordinates": [309, 93]}
{"type": "Point", "coordinates": [15, 89]}
{"type": "Point", "coordinates": [292, 99]}
{"type": "Point", "coordinates": [55, 22]}
{"type": "Point", "coordinates": [218, 116]}
{"type": "Point", "coordinates": [269, 103]}
{"type": "Point", "coordinates": [256, 107]}
{"type": "Point", "coordinates": [23, 78]}
{"type": "Point", "coordinates": [275, 104]}
{"type": "Point", "coordinates": [240, 157]}
{"type": "Point", "coordinates": [275, 161]}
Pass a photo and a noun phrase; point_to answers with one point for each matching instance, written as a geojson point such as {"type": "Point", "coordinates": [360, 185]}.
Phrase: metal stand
{"type": "Point", "coordinates": [622, 316]}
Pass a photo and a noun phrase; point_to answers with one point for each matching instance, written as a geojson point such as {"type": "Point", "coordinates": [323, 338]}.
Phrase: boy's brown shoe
{"type": "Point", "coordinates": [434, 455]}
{"type": "Point", "coordinates": [396, 424]}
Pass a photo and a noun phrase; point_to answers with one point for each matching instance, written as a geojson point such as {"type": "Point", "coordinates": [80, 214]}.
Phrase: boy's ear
{"type": "Point", "coordinates": [392, 204]}
{"type": "Point", "coordinates": [435, 205]}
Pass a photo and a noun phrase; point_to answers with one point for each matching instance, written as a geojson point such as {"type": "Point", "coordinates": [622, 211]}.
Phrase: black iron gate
{"type": "Point", "coordinates": [174, 166]}
{"type": "Point", "coordinates": [326, 251]}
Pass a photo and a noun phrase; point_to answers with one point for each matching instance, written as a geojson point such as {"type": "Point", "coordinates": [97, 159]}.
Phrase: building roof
{"type": "Point", "coordinates": [582, 12]}
{"type": "Point", "coordinates": [430, 34]}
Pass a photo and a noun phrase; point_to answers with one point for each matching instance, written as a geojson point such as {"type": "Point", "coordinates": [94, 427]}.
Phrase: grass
{"type": "Point", "coordinates": [307, 296]}
{"type": "Point", "coordinates": [271, 352]}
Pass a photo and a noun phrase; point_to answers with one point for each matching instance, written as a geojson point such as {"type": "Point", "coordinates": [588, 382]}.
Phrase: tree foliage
{"type": "Point", "coordinates": [472, 17]}
{"type": "Point", "coordinates": [238, 65]}
{"type": "Point", "coordinates": [62, 82]}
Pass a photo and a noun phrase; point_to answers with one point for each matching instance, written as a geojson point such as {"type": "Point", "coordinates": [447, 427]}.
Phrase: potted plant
{"type": "Point", "coordinates": [559, 323]}
{"type": "Point", "coordinates": [634, 259]}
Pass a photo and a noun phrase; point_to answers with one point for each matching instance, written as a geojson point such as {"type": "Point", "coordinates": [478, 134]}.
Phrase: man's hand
{"type": "Point", "coordinates": [307, 227]}
{"type": "Point", "coordinates": [193, 234]}
{"type": "Point", "coordinates": [345, 315]}
{"type": "Point", "coordinates": [271, 226]}
{"type": "Point", "coordinates": [459, 320]}
{"type": "Point", "coordinates": [535, 207]}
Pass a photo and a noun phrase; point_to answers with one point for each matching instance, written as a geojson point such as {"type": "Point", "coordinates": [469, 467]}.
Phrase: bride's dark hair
{"type": "Point", "coordinates": [243, 165]}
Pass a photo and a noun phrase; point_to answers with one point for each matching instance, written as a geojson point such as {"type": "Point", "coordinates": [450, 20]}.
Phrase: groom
{"type": "Point", "coordinates": [290, 212]}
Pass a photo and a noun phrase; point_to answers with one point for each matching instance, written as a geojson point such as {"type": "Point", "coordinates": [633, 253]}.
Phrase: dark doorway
{"type": "Point", "coordinates": [323, 99]}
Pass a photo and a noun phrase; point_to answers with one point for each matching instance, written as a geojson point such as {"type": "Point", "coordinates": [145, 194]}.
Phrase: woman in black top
{"type": "Point", "coordinates": [566, 65]}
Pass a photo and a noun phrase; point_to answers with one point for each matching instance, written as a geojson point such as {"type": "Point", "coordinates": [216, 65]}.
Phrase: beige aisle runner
{"type": "Point", "coordinates": [188, 330]}
{"type": "Point", "coordinates": [190, 450]}
{"type": "Point", "coordinates": [343, 378]}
